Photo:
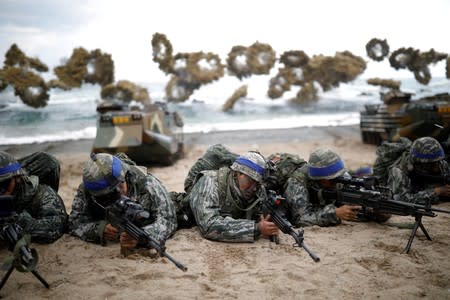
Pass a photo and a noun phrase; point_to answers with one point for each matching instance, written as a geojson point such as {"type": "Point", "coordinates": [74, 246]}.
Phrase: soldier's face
{"type": "Point", "coordinates": [7, 186]}
{"type": "Point", "coordinates": [123, 187]}
{"type": "Point", "coordinates": [247, 186]}
{"type": "Point", "coordinates": [110, 198]}
{"type": "Point", "coordinates": [328, 184]}
{"type": "Point", "coordinates": [432, 168]}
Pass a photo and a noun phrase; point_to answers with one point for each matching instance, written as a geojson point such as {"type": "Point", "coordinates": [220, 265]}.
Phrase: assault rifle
{"type": "Point", "coordinates": [271, 204]}
{"type": "Point", "coordinates": [355, 191]}
{"type": "Point", "coordinates": [25, 259]}
{"type": "Point", "coordinates": [124, 214]}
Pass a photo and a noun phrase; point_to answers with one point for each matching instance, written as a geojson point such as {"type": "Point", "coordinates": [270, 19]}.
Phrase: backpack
{"type": "Point", "coordinates": [286, 165]}
{"type": "Point", "coordinates": [43, 165]}
{"type": "Point", "coordinates": [390, 154]}
{"type": "Point", "coordinates": [124, 158]}
{"type": "Point", "coordinates": [215, 157]}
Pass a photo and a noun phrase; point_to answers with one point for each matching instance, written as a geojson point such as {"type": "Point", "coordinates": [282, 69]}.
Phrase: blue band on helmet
{"type": "Point", "coordinates": [116, 167]}
{"type": "Point", "coordinates": [10, 168]}
{"type": "Point", "coordinates": [435, 155]}
{"type": "Point", "coordinates": [364, 171]}
{"type": "Point", "coordinates": [248, 163]}
{"type": "Point", "coordinates": [96, 185]}
{"type": "Point", "coordinates": [325, 171]}
{"type": "Point", "coordinates": [104, 183]}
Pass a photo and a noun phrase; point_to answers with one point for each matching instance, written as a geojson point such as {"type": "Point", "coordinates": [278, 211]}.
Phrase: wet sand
{"type": "Point", "coordinates": [267, 136]}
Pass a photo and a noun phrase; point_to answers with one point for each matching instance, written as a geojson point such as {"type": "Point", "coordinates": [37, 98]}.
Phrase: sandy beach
{"type": "Point", "coordinates": [358, 260]}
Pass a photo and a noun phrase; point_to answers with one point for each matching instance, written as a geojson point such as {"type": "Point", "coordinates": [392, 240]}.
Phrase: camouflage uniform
{"type": "Point", "coordinates": [87, 220]}
{"type": "Point", "coordinates": [305, 206]}
{"type": "Point", "coordinates": [215, 157]}
{"type": "Point", "coordinates": [219, 208]}
{"type": "Point", "coordinates": [312, 204]}
{"type": "Point", "coordinates": [402, 179]}
{"type": "Point", "coordinates": [41, 211]}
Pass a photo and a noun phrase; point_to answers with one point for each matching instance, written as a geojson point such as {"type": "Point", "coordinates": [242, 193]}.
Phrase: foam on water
{"type": "Point", "coordinates": [71, 115]}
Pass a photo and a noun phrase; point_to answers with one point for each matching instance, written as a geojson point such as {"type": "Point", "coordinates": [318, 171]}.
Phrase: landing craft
{"type": "Point", "coordinates": [147, 134]}
{"type": "Point", "coordinates": [399, 116]}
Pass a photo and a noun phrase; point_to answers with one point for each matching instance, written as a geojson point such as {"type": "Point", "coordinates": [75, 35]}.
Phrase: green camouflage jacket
{"type": "Point", "coordinates": [404, 189]}
{"type": "Point", "coordinates": [87, 220]}
{"type": "Point", "coordinates": [220, 211]}
{"type": "Point", "coordinates": [41, 212]}
{"type": "Point", "coordinates": [305, 206]}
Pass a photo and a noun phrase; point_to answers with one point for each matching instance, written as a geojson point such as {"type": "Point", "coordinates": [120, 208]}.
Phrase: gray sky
{"type": "Point", "coordinates": [50, 29]}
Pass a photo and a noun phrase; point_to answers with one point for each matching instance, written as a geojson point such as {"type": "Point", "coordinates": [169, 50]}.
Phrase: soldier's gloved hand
{"type": "Point", "coordinates": [267, 228]}
{"type": "Point", "coordinates": [127, 242]}
{"type": "Point", "coordinates": [110, 233]}
{"type": "Point", "coordinates": [348, 212]}
{"type": "Point", "coordinates": [443, 190]}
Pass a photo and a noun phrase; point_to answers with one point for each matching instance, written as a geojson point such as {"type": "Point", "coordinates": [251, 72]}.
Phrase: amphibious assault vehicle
{"type": "Point", "coordinates": [146, 133]}
{"type": "Point", "coordinates": [399, 116]}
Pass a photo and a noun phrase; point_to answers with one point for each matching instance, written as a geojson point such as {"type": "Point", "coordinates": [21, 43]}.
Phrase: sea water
{"type": "Point", "coordinates": [71, 115]}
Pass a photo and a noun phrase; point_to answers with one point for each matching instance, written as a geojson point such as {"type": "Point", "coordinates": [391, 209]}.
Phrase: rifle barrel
{"type": "Point", "coordinates": [313, 256]}
{"type": "Point", "coordinates": [418, 206]}
{"type": "Point", "coordinates": [286, 227]}
{"type": "Point", "coordinates": [440, 210]}
{"type": "Point", "coordinates": [177, 263]}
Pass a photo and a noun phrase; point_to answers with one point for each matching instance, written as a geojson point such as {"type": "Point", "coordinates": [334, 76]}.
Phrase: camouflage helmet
{"type": "Point", "coordinates": [9, 166]}
{"type": "Point", "coordinates": [102, 173]}
{"type": "Point", "coordinates": [426, 150]}
{"type": "Point", "coordinates": [325, 164]}
{"type": "Point", "coordinates": [251, 164]}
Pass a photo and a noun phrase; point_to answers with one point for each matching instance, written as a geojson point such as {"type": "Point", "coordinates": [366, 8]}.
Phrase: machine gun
{"type": "Point", "coordinates": [25, 259]}
{"type": "Point", "coordinates": [124, 214]}
{"type": "Point", "coordinates": [354, 192]}
{"type": "Point", "coordinates": [271, 204]}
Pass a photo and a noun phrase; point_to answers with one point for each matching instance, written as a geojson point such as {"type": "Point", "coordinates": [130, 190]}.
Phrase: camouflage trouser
{"type": "Point", "coordinates": [185, 217]}
{"type": "Point", "coordinates": [43, 165]}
